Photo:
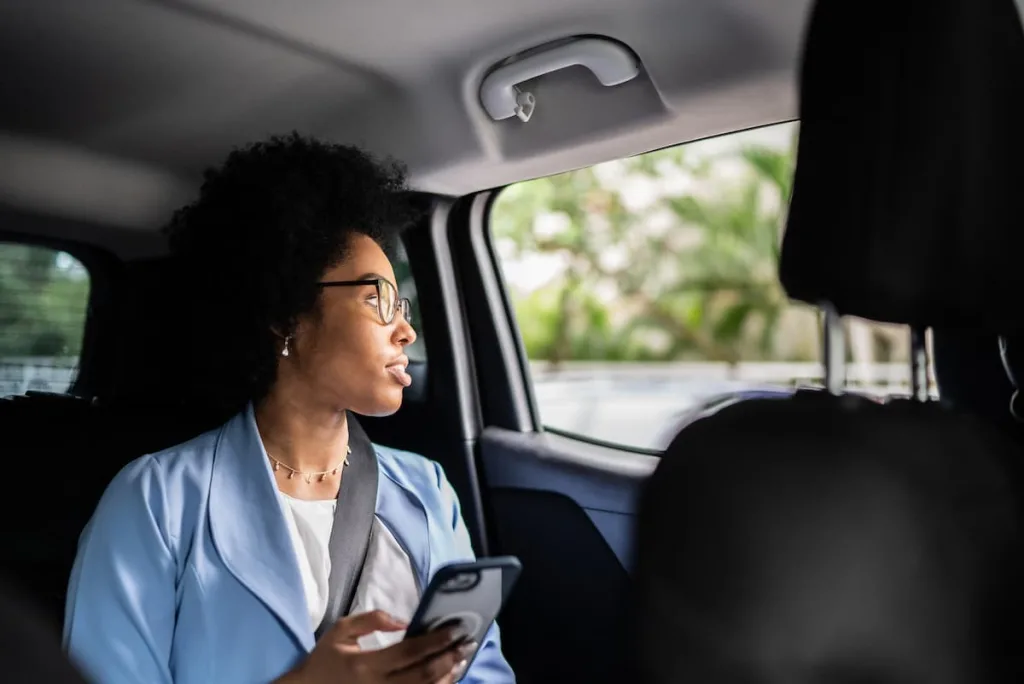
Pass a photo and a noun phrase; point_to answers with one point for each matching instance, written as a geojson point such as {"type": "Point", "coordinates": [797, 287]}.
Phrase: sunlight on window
{"type": "Point", "coordinates": [646, 289]}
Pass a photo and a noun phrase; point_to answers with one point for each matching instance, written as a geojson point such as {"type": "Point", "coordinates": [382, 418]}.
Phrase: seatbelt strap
{"type": "Point", "coordinates": [353, 522]}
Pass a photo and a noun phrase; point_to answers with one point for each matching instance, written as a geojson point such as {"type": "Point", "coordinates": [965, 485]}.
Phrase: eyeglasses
{"type": "Point", "coordinates": [388, 301]}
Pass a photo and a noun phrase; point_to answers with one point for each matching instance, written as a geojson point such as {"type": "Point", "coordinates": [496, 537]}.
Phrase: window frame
{"type": "Point", "coordinates": [507, 399]}
{"type": "Point", "coordinates": [102, 267]}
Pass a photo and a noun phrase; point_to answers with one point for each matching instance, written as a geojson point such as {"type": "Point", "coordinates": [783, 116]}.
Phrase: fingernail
{"type": "Point", "coordinates": [468, 648]}
{"type": "Point", "coordinates": [459, 667]}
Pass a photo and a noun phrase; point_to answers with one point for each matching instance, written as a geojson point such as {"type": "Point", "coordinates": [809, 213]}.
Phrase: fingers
{"type": "Point", "coordinates": [457, 673]}
{"type": "Point", "coordinates": [450, 678]}
{"type": "Point", "coordinates": [351, 628]}
{"type": "Point", "coordinates": [441, 668]}
{"type": "Point", "coordinates": [418, 649]}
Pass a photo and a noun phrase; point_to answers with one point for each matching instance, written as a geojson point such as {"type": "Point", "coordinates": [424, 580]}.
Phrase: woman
{"type": "Point", "coordinates": [220, 560]}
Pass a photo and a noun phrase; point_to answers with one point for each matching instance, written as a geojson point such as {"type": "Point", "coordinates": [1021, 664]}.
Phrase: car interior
{"type": "Point", "coordinates": [110, 111]}
{"type": "Point", "coordinates": [825, 538]}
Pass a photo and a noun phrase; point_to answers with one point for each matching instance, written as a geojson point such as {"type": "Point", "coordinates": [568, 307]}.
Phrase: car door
{"type": "Point", "coordinates": [562, 505]}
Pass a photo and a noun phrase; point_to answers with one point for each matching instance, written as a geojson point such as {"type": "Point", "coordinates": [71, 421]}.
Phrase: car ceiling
{"type": "Point", "coordinates": [112, 108]}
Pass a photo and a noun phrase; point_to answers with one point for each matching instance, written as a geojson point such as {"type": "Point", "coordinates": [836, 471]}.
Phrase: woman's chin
{"type": "Point", "coordinates": [381, 406]}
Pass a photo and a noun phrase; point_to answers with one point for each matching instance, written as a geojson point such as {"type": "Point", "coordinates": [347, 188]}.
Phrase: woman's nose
{"type": "Point", "coordinates": [405, 334]}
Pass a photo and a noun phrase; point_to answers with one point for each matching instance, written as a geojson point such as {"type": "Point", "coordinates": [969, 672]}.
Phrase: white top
{"type": "Point", "coordinates": [388, 583]}
{"type": "Point", "coordinates": [310, 524]}
{"type": "Point", "coordinates": [388, 580]}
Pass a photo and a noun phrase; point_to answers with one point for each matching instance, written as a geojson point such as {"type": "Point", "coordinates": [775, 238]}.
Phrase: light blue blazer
{"type": "Point", "coordinates": [186, 573]}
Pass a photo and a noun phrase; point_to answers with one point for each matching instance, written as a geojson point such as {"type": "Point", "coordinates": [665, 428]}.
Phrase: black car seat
{"type": "Point", "coordinates": [833, 540]}
{"type": "Point", "coordinates": [827, 539]}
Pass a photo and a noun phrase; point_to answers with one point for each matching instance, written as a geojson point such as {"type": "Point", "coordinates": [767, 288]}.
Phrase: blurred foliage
{"type": "Point", "coordinates": [691, 273]}
{"type": "Point", "coordinates": [44, 299]}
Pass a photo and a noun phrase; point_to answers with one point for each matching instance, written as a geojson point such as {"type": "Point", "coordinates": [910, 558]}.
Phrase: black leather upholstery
{"type": "Point", "coordinates": [833, 540]}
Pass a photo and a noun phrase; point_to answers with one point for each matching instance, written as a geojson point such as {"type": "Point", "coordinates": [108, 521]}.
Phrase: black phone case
{"type": "Point", "coordinates": [472, 605]}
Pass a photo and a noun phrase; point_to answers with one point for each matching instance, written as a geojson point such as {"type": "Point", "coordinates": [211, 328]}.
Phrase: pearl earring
{"type": "Point", "coordinates": [285, 352]}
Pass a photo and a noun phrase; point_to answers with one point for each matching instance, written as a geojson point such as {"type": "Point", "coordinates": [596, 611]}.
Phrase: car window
{"type": "Point", "coordinates": [416, 351]}
{"type": "Point", "coordinates": [646, 289]}
{"type": "Point", "coordinates": [44, 301]}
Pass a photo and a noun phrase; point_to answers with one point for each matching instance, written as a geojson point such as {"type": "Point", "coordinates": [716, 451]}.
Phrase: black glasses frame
{"type": "Point", "coordinates": [402, 304]}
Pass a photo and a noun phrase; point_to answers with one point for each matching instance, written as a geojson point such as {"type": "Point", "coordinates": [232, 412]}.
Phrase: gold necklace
{"type": "Point", "coordinates": [320, 476]}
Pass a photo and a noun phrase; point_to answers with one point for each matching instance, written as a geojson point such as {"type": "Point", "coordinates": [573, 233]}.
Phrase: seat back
{"type": "Point", "coordinates": [831, 539]}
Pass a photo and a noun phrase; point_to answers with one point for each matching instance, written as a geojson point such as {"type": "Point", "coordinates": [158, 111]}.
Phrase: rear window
{"type": "Point", "coordinates": [44, 301]}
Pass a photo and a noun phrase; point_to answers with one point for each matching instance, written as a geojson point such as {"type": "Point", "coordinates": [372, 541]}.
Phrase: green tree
{"type": "Point", "coordinates": [687, 274]}
{"type": "Point", "coordinates": [44, 297]}
{"type": "Point", "coordinates": [734, 268]}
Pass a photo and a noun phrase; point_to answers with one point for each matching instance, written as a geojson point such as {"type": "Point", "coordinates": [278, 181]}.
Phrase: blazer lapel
{"type": "Point", "coordinates": [249, 529]}
{"type": "Point", "coordinates": [401, 511]}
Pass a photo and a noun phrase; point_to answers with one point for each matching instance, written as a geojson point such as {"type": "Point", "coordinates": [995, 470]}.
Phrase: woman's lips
{"type": "Point", "coordinates": [400, 375]}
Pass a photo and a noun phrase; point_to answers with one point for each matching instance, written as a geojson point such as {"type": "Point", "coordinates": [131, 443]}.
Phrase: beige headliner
{"type": "Point", "coordinates": [109, 109]}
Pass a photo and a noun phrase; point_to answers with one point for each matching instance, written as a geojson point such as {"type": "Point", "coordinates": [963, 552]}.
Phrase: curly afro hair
{"type": "Point", "coordinates": [253, 246]}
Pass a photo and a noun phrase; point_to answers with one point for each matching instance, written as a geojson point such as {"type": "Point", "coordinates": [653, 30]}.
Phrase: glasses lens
{"type": "Point", "coordinates": [387, 301]}
{"type": "Point", "coordinates": [405, 306]}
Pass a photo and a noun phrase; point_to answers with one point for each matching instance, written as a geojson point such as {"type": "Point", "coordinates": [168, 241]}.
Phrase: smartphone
{"type": "Point", "coordinates": [467, 596]}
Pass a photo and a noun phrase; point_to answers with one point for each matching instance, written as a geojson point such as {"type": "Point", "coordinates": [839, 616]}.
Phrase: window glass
{"type": "Point", "coordinates": [878, 358]}
{"type": "Point", "coordinates": [646, 289]}
{"type": "Point", "coordinates": [416, 351]}
{"type": "Point", "coordinates": [44, 300]}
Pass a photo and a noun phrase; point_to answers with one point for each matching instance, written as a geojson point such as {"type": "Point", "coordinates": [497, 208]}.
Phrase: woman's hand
{"type": "Point", "coordinates": [433, 658]}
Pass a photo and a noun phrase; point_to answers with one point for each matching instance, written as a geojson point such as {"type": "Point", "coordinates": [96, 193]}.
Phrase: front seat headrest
{"type": "Point", "coordinates": [906, 195]}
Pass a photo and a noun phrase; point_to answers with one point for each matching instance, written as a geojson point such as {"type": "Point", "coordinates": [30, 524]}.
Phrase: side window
{"type": "Point", "coordinates": [646, 289]}
{"type": "Point", "coordinates": [417, 351]}
{"type": "Point", "coordinates": [878, 359]}
{"type": "Point", "coordinates": [44, 300]}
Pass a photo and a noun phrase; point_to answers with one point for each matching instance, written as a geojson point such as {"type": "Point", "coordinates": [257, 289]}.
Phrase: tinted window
{"type": "Point", "coordinates": [44, 299]}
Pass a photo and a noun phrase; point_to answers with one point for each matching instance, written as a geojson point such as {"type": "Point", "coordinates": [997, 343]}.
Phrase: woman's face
{"type": "Point", "coordinates": [344, 354]}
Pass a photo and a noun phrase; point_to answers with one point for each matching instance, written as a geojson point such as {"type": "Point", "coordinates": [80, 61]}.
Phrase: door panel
{"type": "Point", "coordinates": [604, 482]}
{"type": "Point", "coordinates": [566, 509]}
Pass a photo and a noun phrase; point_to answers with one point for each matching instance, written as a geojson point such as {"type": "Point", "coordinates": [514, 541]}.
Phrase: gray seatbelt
{"type": "Point", "coordinates": [353, 521]}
